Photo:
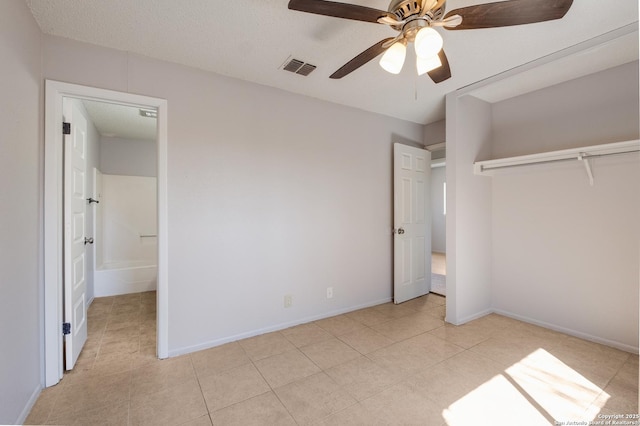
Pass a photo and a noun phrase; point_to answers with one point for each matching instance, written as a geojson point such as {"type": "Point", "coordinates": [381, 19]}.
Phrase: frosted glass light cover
{"type": "Point", "coordinates": [428, 42]}
{"type": "Point", "coordinates": [393, 59]}
{"type": "Point", "coordinates": [427, 64]}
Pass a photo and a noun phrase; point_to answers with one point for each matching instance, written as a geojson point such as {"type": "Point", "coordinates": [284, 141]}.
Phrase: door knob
{"type": "Point", "coordinates": [400, 231]}
{"type": "Point", "coordinates": [88, 241]}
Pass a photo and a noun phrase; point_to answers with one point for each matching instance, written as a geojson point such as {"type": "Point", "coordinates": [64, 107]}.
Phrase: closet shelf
{"type": "Point", "coordinates": [581, 154]}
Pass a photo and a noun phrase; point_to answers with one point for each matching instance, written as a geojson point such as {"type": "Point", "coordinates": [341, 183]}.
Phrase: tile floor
{"type": "Point", "coordinates": [385, 365]}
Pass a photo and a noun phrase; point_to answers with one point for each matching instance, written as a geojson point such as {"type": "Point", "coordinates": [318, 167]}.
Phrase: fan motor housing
{"type": "Point", "coordinates": [403, 9]}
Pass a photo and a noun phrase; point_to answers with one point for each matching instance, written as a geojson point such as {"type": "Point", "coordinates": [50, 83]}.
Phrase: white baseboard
{"type": "Point", "coordinates": [614, 344]}
{"type": "Point", "coordinates": [117, 288]}
{"type": "Point", "coordinates": [269, 329]}
{"type": "Point", "coordinates": [596, 339]}
{"type": "Point", "coordinates": [465, 320]}
{"type": "Point", "coordinates": [29, 406]}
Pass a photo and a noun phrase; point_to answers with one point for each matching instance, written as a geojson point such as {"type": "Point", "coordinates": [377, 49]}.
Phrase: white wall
{"type": "Point", "coordinates": [128, 157]}
{"type": "Point", "coordinates": [99, 220]}
{"type": "Point", "coordinates": [129, 218]}
{"type": "Point", "coordinates": [93, 161]}
{"type": "Point", "coordinates": [469, 224]}
{"type": "Point", "coordinates": [270, 194]}
{"type": "Point", "coordinates": [565, 253]}
{"type": "Point", "coordinates": [435, 133]}
{"type": "Point", "coordinates": [438, 218]}
{"type": "Point", "coordinates": [20, 218]}
{"type": "Point", "coordinates": [595, 109]}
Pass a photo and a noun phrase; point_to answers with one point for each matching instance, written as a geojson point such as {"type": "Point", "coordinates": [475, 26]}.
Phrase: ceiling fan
{"type": "Point", "coordinates": [415, 21]}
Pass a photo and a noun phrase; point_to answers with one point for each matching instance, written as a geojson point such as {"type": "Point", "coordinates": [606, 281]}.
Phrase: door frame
{"type": "Point", "coordinates": [55, 91]}
{"type": "Point", "coordinates": [397, 224]}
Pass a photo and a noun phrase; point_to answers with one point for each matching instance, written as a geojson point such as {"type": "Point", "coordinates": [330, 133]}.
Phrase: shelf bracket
{"type": "Point", "coordinates": [587, 165]}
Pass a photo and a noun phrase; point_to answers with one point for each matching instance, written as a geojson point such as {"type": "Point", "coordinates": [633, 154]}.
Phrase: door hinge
{"type": "Point", "coordinates": [66, 328]}
{"type": "Point", "coordinates": [66, 128]}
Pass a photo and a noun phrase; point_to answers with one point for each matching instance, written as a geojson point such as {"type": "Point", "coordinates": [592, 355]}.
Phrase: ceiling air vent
{"type": "Point", "coordinates": [299, 67]}
{"type": "Point", "coordinates": [306, 69]}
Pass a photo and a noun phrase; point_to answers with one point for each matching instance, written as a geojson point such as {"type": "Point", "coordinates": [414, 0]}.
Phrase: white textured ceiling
{"type": "Point", "coordinates": [617, 50]}
{"type": "Point", "coordinates": [251, 39]}
{"type": "Point", "coordinates": [120, 121]}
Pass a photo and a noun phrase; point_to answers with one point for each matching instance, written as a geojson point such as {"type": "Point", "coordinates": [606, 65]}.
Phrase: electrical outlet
{"type": "Point", "coordinates": [288, 301]}
{"type": "Point", "coordinates": [329, 292]}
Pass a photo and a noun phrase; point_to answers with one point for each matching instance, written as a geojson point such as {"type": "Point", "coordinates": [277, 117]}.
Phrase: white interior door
{"type": "Point", "coordinates": [75, 271]}
{"type": "Point", "coordinates": [412, 222]}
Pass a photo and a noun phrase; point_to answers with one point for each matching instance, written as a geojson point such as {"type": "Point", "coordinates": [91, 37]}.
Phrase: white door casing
{"type": "Point", "coordinates": [55, 92]}
{"type": "Point", "coordinates": [412, 222]}
{"type": "Point", "coordinates": [75, 264]}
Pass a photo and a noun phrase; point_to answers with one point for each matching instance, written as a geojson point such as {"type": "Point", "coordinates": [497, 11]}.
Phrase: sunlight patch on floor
{"type": "Point", "coordinates": [539, 389]}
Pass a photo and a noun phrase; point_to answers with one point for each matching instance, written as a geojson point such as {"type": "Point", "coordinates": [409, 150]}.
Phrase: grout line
{"type": "Point", "coordinates": [398, 377]}
{"type": "Point", "coordinates": [284, 405]}
{"type": "Point", "coordinates": [195, 373]}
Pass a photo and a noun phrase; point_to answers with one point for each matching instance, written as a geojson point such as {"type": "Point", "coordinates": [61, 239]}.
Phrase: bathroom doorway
{"type": "Point", "coordinates": [154, 305]}
{"type": "Point", "coordinates": [120, 226]}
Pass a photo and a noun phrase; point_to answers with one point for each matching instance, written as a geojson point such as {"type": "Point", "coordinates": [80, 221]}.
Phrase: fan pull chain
{"type": "Point", "coordinates": [415, 87]}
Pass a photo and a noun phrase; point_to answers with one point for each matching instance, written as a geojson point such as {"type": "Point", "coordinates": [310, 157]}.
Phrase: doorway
{"type": "Point", "coordinates": [53, 218]}
{"type": "Point", "coordinates": [118, 204]}
{"type": "Point", "coordinates": [438, 223]}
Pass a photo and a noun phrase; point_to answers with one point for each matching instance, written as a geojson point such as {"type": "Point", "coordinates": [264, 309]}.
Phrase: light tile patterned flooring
{"type": "Point", "coordinates": [385, 365]}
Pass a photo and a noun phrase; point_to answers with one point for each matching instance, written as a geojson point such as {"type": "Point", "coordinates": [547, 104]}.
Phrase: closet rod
{"type": "Point", "coordinates": [582, 156]}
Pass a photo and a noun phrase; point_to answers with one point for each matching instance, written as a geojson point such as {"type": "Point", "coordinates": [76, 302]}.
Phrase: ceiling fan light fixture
{"type": "Point", "coordinates": [415, 21]}
{"type": "Point", "coordinates": [393, 59]}
{"type": "Point", "coordinates": [424, 65]}
{"type": "Point", "coordinates": [428, 42]}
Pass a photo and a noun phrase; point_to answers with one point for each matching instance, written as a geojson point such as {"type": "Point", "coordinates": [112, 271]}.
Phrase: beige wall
{"type": "Point", "coordinates": [128, 157]}
{"type": "Point", "coordinates": [20, 218]}
{"type": "Point", "coordinates": [468, 227]}
{"type": "Point", "coordinates": [270, 194]}
{"type": "Point", "coordinates": [565, 254]}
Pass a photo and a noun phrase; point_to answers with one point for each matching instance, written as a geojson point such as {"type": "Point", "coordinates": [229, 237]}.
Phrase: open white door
{"type": "Point", "coordinates": [412, 223]}
{"type": "Point", "coordinates": [75, 283]}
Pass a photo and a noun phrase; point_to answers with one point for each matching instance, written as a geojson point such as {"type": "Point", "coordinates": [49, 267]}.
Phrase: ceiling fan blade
{"type": "Point", "coordinates": [443, 72]}
{"type": "Point", "coordinates": [449, 22]}
{"type": "Point", "coordinates": [340, 10]}
{"type": "Point", "coordinates": [511, 12]}
{"type": "Point", "coordinates": [361, 59]}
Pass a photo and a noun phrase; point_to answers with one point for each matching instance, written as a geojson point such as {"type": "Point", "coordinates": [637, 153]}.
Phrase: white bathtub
{"type": "Point", "coordinates": [124, 277]}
